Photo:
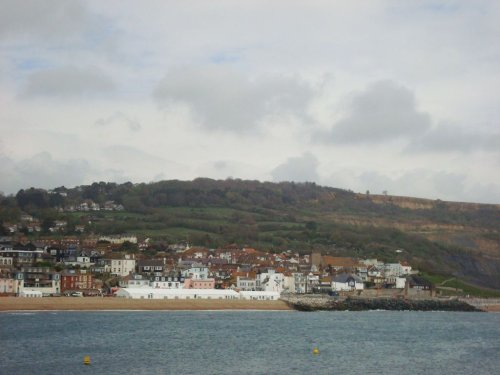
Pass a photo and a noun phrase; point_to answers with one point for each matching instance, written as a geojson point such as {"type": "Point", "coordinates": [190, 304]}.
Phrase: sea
{"type": "Point", "coordinates": [249, 342]}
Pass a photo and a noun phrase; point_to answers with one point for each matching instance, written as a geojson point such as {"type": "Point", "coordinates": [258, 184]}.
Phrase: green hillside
{"type": "Point", "coordinates": [443, 238]}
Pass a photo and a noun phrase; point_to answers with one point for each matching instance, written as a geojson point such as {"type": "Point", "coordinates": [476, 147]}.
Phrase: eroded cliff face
{"type": "Point", "coordinates": [470, 226]}
{"type": "Point", "coordinates": [426, 204]}
{"type": "Point", "coordinates": [477, 268]}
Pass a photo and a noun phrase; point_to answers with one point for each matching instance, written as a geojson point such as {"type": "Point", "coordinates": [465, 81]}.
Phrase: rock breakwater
{"type": "Point", "coordinates": [362, 304]}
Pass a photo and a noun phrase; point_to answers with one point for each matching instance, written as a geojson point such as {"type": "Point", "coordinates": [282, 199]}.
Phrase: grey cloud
{"type": "Point", "coordinates": [298, 169]}
{"type": "Point", "coordinates": [68, 82]}
{"type": "Point", "coordinates": [42, 19]}
{"type": "Point", "coordinates": [139, 163]}
{"type": "Point", "coordinates": [120, 118]}
{"type": "Point", "coordinates": [449, 184]}
{"type": "Point", "coordinates": [430, 184]}
{"type": "Point", "coordinates": [43, 171]}
{"type": "Point", "coordinates": [221, 98]}
{"type": "Point", "coordinates": [447, 138]}
{"type": "Point", "coordinates": [132, 164]}
{"type": "Point", "coordinates": [384, 111]}
{"type": "Point", "coordinates": [220, 165]}
{"type": "Point", "coordinates": [118, 153]}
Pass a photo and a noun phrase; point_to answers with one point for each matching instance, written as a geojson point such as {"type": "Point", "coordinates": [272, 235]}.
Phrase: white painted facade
{"type": "Point", "coordinates": [82, 262]}
{"type": "Point", "coordinates": [31, 294]}
{"type": "Point", "coordinates": [295, 283]}
{"type": "Point", "coordinates": [138, 282]}
{"type": "Point", "coordinates": [54, 288]}
{"type": "Point", "coordinates": [166, 284]}
{"type": "Point", "coordinates": [118, 239]}
{"type": "Point", "coordinates": [260, 295]}
{"type": "Point", "coordinates": [245, 283]}
{"type": "Point", "coordinates": [8, 285]}
{"type": "Point", "coordinates": [400, 282]}
{"type": "Point", "coordinates": [393, 269]}
{"type": "Point", "coordinates": [344, 283]}
{"type": "Point", "coordinates": [196, 273]}
{"type": "Point", "coordinates": [122, 267]}
{"type": "Point", "coordinates": [154, 293]}
{"type": "Point", "coordinates": [270, 281]}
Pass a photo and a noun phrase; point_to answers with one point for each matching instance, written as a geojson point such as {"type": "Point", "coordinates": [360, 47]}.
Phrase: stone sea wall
{"type": "Point", "coordinates": [306, 303]}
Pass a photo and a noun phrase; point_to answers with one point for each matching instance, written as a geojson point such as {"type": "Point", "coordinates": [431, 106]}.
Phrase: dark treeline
{"type": "Point", "coordinates": [236, 193]}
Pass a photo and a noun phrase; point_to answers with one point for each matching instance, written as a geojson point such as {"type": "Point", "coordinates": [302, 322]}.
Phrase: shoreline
{"type": "Point", "coordinates": [18, 304]}
{"type": "Point", "coordinates": [99, 304]}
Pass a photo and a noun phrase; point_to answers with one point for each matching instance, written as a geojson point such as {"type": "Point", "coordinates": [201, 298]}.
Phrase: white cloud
{"type": "Point", "coordinates": [43, 171]}
{"type": "Point", "coordinates": [223, 98]}
{"type": "Point", "coordinates": [384, 111]}
{"type": "Point", "coordinates": [120, 119]}
{"type": "Point", "coordinates": [431, 184]}
{"type": "Point", "coordinates": [297, 169]}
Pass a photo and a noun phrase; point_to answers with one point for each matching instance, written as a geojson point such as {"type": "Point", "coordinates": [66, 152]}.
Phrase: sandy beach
{"type": "Point", "coordinates": [491, 308]}
{"type": "Point", "coordinates": [99, 303]}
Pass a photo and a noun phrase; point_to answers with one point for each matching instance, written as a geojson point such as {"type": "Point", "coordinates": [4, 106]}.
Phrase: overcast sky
{"type": "Point", "coordinates": [401, 96]}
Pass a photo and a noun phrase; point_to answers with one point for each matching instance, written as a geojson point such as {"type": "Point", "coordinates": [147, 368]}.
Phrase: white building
{"type": "Point", "coordinates": [400, 282]}
{"type": "Point", "coordinates": [9, 285]}
{"type": "Point", "coordinates": [312, 281]}
{"type": "Point", "coordinates": [196, 272]}
{"type": "Point", "coordinates": [26, 287]}
{"type": "Point", "coordinates": [167, 282]}
{"type": "Point", "coordinates": [270, 281]}
{"type": "Point", "coordinates": [295, 283]}
{"type": "Point", "coordinates": [154, 293]}
{"type": "Point", "coordinates": [347, 282]}
{"type": "Point", "coordinates": [122, 267]}
{"type": "Point", "coordinates": [81, 261]}
{"type": "Point", "coordinates": [406, 268]}
{"type": "Point", "coordinates": [393, 269]}
{"type": "Point", "coordinates": [260, 295]}
{"type": "Point", "coordinates": [31, 294]}
{"type": "Point", "coordinates": [138, 282]}
{"type": "Point", "coordinates": [119, 239]}
{"type": "Point", "coordinates": [245, 283]}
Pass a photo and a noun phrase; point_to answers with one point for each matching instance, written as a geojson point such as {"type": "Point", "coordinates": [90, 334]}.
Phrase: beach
{"type": "Point", "coordinates": [491, 308]}
{"type": "Point", "coordinates": [110, 303]}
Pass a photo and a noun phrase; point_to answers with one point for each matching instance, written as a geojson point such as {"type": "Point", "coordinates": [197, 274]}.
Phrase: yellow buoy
{"type": "Point", "coordinates": [86, 360]}
{"type": "Point", "coordinates": [315, 351]}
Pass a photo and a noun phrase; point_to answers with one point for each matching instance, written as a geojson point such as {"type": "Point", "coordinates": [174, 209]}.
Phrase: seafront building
{"type": "Point", "coordinates": [153, 293]}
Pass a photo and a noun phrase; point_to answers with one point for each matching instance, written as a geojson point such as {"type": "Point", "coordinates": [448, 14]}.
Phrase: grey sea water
{"type": "Point", "coordinates": [250, 342]}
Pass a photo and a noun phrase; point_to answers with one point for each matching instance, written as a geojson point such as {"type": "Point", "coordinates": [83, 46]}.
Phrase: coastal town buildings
{"type": "Point", "coordinates": [54, 266]}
